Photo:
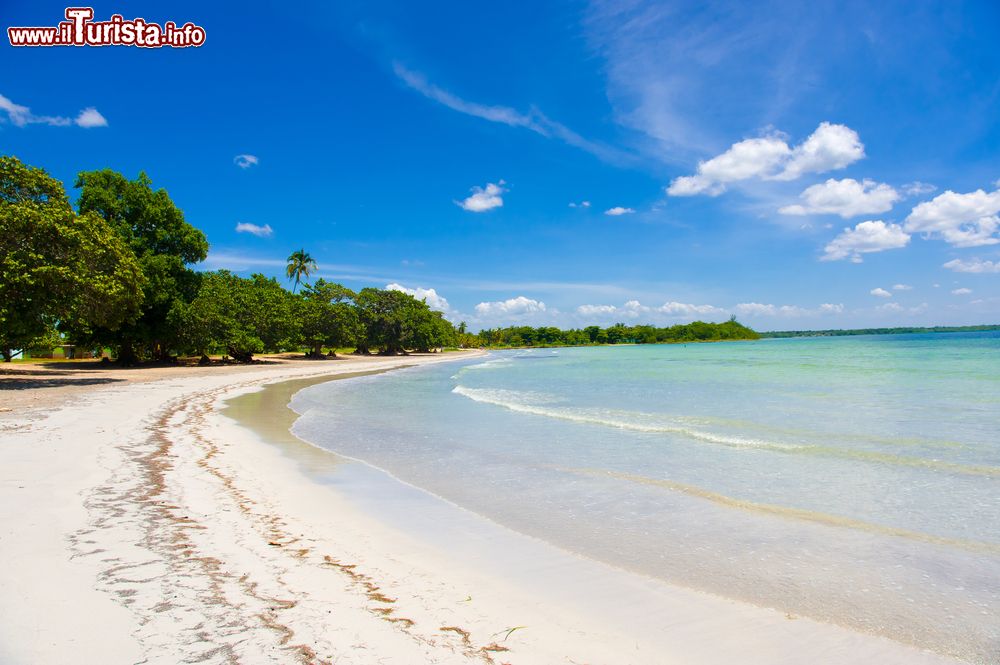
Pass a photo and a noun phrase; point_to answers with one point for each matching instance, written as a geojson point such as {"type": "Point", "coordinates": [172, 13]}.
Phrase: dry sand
{"type": "Point", "coordinates": [140, 524]}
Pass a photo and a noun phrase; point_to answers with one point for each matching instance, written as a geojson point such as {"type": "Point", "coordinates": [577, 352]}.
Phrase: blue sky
{"type": "Point", "coordinates": [829, 165]}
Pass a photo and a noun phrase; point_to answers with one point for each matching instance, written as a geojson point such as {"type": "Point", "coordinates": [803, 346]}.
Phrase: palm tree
{"type": "Point", "coordinates": [300, 264]}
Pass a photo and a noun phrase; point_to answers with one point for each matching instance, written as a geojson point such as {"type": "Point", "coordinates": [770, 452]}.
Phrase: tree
{"type": "Point", "coordinates": [57, 267]}
{"type": "Point", "coordinates": [300, 264]}
{"type": "Point", "coordinates": [241, 316]}
{"type": "Point", "coordinates": [327, 318]}
{"type": "Point", "coordinates": [164, 243]}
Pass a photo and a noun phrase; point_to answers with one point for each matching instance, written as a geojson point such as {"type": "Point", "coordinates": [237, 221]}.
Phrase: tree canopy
{"type": "Point", "coordinates": [164, 243]}
{"type": "Point", "coordinates": [57, 267]}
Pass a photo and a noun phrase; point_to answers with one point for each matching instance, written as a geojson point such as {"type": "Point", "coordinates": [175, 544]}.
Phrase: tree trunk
{"type": "Point", "coordinates": [241, 356]}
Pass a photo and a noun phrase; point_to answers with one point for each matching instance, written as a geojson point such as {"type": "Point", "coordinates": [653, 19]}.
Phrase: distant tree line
{"type": "Point", "coordinates": [117, 273]}
{"type": "Point", "coordinates": [877, 331]}
{"type": "Point", "coordinates": [697, 331]}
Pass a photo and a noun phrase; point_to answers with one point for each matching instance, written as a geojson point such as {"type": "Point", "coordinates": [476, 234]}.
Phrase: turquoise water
{"type": "Point", "coordinates": [854, 480]}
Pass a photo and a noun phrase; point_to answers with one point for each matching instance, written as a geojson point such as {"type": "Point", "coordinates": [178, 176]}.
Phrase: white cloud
{"type": "Point", "coordinates": [21, 116]}
{"type": "Point", "coordinates": [829, 148]}
{"type": "Point", "coordinates": [581, 204]}
{"type": "Point", "coordinates": [510, 307]}
{"type": "Point", "coordinates": [484, 198]}
{"type": "Point", "coordinates": [962, 220]}
{"type": "Point", "coordinates": [534, 120]}
{"type": "Point", "coordinates": [890, 307]}
{"type": "Point", "coordinates": [260, 231]}
{"type": "Point", "coordinates": [633, 309]}
{"type": "Point", "coordinates": [973, 266]}
{"type": "Point", "coordinates": [596, 310]}
{"type": "Point", "coordinates": [880, 292]}
{"type": "Point", "coordinates": [430, 296]}
{"type": "Point", "coordinates": [771, 158]}
{"type": "Point", "coordinates": [917, 188]}
{"type": "Point", "coordinates": [245, 161]}
{"type": "Point", "coordinates": [846, 198]}
{"type": "Point", "coordinates": [90, 117]}
{"type": "Point", "coordinates": [865, 238]}
{"type": "Point", "coordinates": [961, 292]}
{"type": "Point", "coordinates": [753, 309]}
{"type": "Point", "coordinates": [756, 309]}
{"type": "Point", "coordinates": [687, 309]}
{"type": "Point", "coordinates": [618, 210]}
{"type": "Point", "coordinates": [902, 287]}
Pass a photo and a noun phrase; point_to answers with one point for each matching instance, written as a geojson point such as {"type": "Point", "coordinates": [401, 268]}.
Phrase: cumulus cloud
{"type": "Point", "coordinates": [433, 299]}
{"type": "Point", "coordinates": [770, 157]}
{"type": "Point", "coordinates": [865, 238]}
{"type": "Point", "coordinates": [846, 198]}
{"type": "Point", "coordinates": [973, 266]}
{"type": "Point", "coordinates": [484, 198]}
{"type": "Point", "coordinates": [890, 307]}
{"type": "Point", "coordinates": [880, 292]}
{"type": "Point", "coordinates": [831, 308]}
{"type": "Point", "coordinates": [961, 292]}
{"type": "Point", "coordinates": [90, 117]}
{"type": "Point", "coordinates": [687, 309]}
{"type": "Point", "coordinates": [510, 307]}
{"type": "Point", "coordinates": [618, 210]}
{"type": "Point", "coordinates": [21, 116]}
{"type": "Point", "coordinates": [581, 204]}
{"type": "Point", "coordinates": [917, 188]}
{"type": "Point", "coordinates": [901, 287]}
{"type": "Point", "coordinates": [260, 231]}
{"type": "Point", "coordinates": [961, 220]}
{"type": "Point", "coordinates": [245, 161]}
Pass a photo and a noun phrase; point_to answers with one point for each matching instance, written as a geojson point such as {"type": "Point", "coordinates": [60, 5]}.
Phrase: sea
{"type": "Point", "coordinates": [853, 480]}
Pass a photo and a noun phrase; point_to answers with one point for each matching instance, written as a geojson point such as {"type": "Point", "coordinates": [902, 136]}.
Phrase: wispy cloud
{"type": "Point", "coordinates": [245, 161]}
{"type": "Point", "coordinates": [264, 231]}
{"type": "Point", "coordinates": [972, 266]}
{"type": "Point", "coordinates": [533, 120]}
{"type": "Point", "coordinates": [21, 116]}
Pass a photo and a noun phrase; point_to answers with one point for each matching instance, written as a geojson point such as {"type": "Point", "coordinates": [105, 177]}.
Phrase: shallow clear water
{"type": "Point", "coordinates": [853, 480]}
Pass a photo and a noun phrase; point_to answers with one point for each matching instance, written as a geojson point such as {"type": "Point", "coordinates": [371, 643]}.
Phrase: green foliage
{"type": "Point", "coordinates": [327, 318]}
{"type": "Point", "coordinates": [148, 222]}
{"type": "Point", "coordinates": [57, 267]}
{"type": "Point", "coordinates": [394, 321]}
{"type": "Point", "coordinates": [697, 331]}
{"type": "Point", "coordinates": [240, 316]}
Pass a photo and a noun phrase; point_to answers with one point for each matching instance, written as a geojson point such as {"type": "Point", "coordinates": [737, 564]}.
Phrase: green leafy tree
{"type": "Point", "coordinates": [300, 265]}
{"type": "Point", "coordinates": [327, 317]}
{"type": "Point", "coordinates": [57, 267]}
{"type": "Point", "coordinates": [164, 243]}
{"type": "Point", "coordinates": [239, 316]}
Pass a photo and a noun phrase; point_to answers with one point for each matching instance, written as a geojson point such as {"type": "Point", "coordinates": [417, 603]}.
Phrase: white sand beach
{"type": "Point", "coordinates": [140, 523]}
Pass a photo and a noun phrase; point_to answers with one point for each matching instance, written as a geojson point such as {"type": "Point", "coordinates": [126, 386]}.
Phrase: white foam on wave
{"type": "Point", "coordinates": [531, 403]}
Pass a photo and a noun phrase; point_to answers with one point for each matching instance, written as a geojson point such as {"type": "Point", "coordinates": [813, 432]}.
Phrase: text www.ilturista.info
{"type": "Point", "coordinates": [79, 29]}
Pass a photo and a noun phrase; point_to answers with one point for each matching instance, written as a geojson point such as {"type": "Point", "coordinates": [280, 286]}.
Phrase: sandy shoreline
{"type": "Point", "coordinates": [141, 524]}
